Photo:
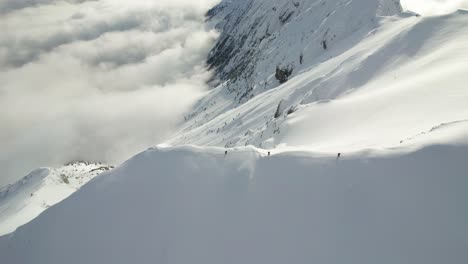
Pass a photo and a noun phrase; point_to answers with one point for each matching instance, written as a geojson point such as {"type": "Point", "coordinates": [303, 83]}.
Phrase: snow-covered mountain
{"type": "Point", "coordinates": [259, 36]}
{"type": "Point", "coordinates": [26, 199]}
{"type": "Point", "coordinates": [297, 83]}
{"type": "Point", "coordinates": [371, 77]}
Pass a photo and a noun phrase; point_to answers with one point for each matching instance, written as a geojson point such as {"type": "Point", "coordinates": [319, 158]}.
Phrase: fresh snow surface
{"type": "Point", "coordinates": [26, 199]}
{"type": "Point", "coordinates": [196, 205]}
{"type": "Point", "coordinates": [388, 92]}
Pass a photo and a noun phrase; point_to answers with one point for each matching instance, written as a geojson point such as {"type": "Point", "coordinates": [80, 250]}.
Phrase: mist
{"type": "Point", "coordinates": [96, 80]}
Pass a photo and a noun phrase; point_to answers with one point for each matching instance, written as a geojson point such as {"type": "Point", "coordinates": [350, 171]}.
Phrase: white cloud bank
{"type": "Point", "coordinates": [434, 7]}
{"type": "Point", "coordinates": [95, 80]}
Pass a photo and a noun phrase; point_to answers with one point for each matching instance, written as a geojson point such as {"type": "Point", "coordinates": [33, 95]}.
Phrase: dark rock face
{"type": "Point", "coordinates": [244, 27]}
{"type": "Point", "coordinates": [282, 74]}
{"type": "Point", "coordinates": [233, 58]}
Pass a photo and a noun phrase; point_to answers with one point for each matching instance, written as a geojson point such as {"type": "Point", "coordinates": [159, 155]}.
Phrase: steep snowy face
{"type": "Point", "coordinates": [265, 43]}
{"type": "Point", "coordinates": [354, 80]}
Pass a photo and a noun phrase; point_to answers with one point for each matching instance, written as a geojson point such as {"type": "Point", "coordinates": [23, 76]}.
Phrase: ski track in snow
{"type": "Point", "coordinates": [437, 128]}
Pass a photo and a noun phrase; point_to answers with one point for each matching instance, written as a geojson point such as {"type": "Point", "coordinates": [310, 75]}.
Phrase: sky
{"type": "Point", "coordinates": [100, 80]}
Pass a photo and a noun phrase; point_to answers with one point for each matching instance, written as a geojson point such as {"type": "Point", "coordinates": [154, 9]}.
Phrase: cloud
{"type": "Point", "coordinates": [13, 5]}
{"type": "Point", "coordinates": [95, 80]}
{"type": "Point", "coordinates": [434, 7]}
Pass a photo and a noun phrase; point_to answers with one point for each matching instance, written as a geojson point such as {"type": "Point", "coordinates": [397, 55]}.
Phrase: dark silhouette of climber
{"type": "Point", "coordinates": [339, 155]}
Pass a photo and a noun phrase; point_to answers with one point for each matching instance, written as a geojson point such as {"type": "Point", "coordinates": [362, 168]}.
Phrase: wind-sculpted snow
{"type": "Point", "coordinates": [196, 205]}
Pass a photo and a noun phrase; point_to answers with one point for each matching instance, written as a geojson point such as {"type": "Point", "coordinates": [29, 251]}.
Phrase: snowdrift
{"type": "Point", "coordinates": [196, 205]}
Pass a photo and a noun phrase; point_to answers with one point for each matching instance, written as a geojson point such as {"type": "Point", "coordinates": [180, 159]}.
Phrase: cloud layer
{"type": "Point", "coordinates": [434, 7]}
{"type": "Point", "coordinates": [95, 80]}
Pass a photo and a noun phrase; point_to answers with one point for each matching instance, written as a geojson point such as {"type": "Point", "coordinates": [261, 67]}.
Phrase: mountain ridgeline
{"type": "Point", "coordinates": [337, 134]}
{"type": "Point", "coordinates": [305, 72]}
{"type": "Point", "coordinates": [264, 43]}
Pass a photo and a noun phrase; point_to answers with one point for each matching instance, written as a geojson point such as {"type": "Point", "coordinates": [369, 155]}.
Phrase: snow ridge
{"type": "Point", "coordinates": [198, 205]}
{"type": "Point", "coordinates": [303, 81]}
{"type": "Point", "coordinates": [27, 198]}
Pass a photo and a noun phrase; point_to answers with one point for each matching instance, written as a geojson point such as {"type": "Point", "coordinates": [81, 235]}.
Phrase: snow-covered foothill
{"type": "Point", "coordinates": [198, 205]}
{"type": "Point", "coordinates": [27, 198]}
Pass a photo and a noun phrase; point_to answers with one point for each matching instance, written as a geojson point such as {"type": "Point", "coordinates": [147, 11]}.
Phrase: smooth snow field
{"type": "Point", "coordinates": [196, 205]}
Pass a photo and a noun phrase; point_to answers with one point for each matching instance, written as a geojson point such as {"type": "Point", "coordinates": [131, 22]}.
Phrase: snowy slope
{"type": "Point", "coordinates": [26, 199]}
{"type": "Point", "coordinates": [385, 89]}
{"type": "Point", "coordinates": [195, 205]}
{"type": "Point", "coordinates": [256, 36]}
{"type": "Point", "coordinates": [388, 80]}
